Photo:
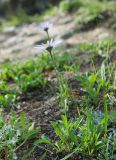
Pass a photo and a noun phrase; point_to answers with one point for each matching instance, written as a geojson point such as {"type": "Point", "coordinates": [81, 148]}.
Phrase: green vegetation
{"type": "Point", "coordinates": [13, 134]}
{"type": "Point", "coordinates": [17, 79]}
{"type": "Point", "coordinates": [60, 105]}
{"type": "Point", "coordinates": [81, 136]}
{"type": "Point", "coordinates": [70, 6]}
{"type": "Point", "coordinates": [90, 133]}
{"type": "Point", "coordinates": [95, 83]}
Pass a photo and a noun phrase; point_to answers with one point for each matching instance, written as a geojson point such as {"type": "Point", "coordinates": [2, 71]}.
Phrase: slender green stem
{"type": "Point", "coordinates": [48, 35]}
{"type": "Point", "coordinates": [58, 75]}
{"type": "Point", "coordinates": [106, 119]}
{"type": "Point", "coordinates": [6, 153]}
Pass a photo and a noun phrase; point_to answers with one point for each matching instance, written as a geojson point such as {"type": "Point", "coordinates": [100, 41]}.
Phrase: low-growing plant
{"type": "Point", "coordinates": [14, 132]}
{"type": "Point", "coordinates": [63, 93]}
{"type": "Point", "coordinates": [7, 101]}
{"type": "Point", "coordinates": [31, 81]}
{"type": "Point", "coordinates": [91, 133]}
{"type": "Point", "coordinates": [84, 136]}
{"type": "Point", "coordinates": [19, 78]}
{"type": "Point", "coordinates": [7, 95]}
{"type": "Point", "coordinates": [97, 84]}
{"type": "Point", "coordinates": [89, 86]}
{"type": "Point", "coordinates": [101, 50]}
{"type": "Point", "coordinates": [66, 132]}
{"type": "Point", "coordinates": [109, 149]}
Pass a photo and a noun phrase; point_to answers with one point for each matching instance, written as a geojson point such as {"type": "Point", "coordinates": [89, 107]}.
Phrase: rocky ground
{"type": "Point", "coordinates": [17, 43]}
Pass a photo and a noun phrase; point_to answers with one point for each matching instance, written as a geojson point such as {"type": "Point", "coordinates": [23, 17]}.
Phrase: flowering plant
{"type": "Point", "coordinates": [51, 44]}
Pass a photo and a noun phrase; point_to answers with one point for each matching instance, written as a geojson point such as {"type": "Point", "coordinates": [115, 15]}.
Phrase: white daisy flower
{"type": "Point", "coordinates": [46, 26]}
{"type": "Point", "coordinates": [49, 45]}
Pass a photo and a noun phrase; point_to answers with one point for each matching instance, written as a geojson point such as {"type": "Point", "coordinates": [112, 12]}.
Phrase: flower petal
{"type": "Point", "coordinates": [45, 25]}
{"type": "Point", "coordinates": [40, 47]}
{"type": "Point", "coordinates": [57, 43]}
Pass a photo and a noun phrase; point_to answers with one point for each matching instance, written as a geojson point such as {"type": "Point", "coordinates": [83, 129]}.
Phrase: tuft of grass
{"type": "Point", "coordinates": [14, 134]}
{"type": "Point", "coordinates": [83, 136]}
{"type": "Point", "coordinates": [70, 6]}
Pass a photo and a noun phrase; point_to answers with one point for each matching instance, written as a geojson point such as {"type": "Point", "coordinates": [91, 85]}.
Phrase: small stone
{"type": "Point", "coordinates": [47, 112]}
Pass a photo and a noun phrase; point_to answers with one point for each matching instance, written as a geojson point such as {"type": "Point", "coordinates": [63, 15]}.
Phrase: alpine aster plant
{"type": "Point", "coordinates": [50, 44]}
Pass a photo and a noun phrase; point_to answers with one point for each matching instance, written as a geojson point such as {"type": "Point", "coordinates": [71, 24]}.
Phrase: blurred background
{"type": "Point", "coordinates": [13, 7]}
{"type": "Point", "coordinates": [75, 21]}
{"type": "Point", "coordinates": [21, 9]}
